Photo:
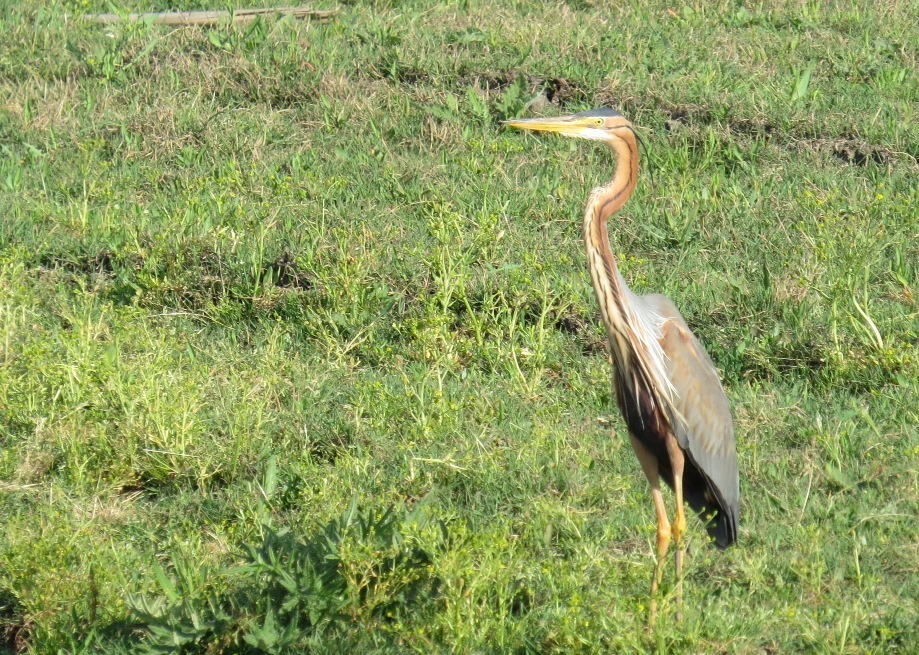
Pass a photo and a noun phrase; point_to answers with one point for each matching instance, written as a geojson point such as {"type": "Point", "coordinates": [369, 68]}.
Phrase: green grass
{"type": "Point", "coordinates": [298, 350]}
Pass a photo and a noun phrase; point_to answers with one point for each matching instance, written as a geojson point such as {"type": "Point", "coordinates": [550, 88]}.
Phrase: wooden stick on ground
{"type": "Point", "coordinates": [213, 17]}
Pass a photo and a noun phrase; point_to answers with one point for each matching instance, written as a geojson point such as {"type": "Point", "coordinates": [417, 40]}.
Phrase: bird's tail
{"type": "Point", "coordinates": [723, 529]}
{"type": "Point", "coordinates": [720, 523]}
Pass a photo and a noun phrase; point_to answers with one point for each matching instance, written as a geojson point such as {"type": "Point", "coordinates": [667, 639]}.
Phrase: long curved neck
{"type": "Point", "coordinates": [604, 202]}
{"type": "Point", "coordinates": [633, 330]}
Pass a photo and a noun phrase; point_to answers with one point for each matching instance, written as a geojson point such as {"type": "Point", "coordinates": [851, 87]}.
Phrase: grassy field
{"type": "Point", "coordinates": [299, 353]}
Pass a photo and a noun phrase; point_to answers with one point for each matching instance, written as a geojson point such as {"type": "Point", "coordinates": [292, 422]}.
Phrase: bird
{"type": "Point", "coordinates": [666, 385]}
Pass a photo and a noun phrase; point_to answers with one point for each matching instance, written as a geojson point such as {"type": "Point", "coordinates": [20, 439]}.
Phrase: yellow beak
{"type": "Point", "coordinates": [567, 125]}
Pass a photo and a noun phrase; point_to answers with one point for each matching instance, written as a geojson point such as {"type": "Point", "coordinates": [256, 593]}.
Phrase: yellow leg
{"type": "Point", "coordinates": [677, 461]}
{"type": "Point", "coordinates": [663, 544]}
{"type": "Point", "coordinates": [649, 466]}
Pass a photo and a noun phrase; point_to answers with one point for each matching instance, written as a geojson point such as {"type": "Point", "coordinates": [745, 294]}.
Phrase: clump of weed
{"type": "Point", "coordinates": [364, 567]}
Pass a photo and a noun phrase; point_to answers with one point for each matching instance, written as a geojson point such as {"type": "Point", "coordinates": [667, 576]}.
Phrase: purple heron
{"type": "Point", "coordinates": [667, 388]}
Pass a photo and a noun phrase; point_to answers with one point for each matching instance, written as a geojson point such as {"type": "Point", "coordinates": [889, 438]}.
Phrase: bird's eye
{"type": "Point", "coordinates": [598, 121]}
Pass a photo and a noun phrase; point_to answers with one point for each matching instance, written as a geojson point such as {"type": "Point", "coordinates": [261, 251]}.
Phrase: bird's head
{"type": "Point", "coordinates": [597, 124]}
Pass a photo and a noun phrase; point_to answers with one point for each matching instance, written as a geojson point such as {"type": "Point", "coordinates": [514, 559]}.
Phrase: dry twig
{"type": "Point", "coordinates": [213, 17]}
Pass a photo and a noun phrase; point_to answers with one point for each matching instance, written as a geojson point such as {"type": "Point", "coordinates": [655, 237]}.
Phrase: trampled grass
{"type": "Point", "coordinates": [298, 351]}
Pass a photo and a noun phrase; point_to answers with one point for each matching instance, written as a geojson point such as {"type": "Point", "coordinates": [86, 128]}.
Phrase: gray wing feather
{"type": "Point", "coordinates": [707, 430]}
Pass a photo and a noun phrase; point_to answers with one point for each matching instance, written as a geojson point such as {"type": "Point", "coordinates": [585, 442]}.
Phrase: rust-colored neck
{"type": "Point", "coordinates": [638, 358]}
{"type": "Point", "coordinates": [610, 199]}
{"type": "Point", "coordinates": [604, 202]}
